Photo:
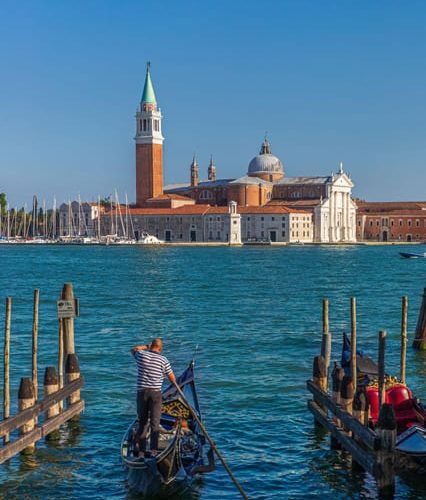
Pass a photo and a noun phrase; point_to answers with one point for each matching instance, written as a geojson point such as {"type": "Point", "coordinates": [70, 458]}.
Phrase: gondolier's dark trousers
{"type": "Point", "coordinates": [149, 413]}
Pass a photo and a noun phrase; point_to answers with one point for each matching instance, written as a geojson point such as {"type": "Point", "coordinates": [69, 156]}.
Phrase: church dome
{"type": "Point", "coordinates": [265, 162]}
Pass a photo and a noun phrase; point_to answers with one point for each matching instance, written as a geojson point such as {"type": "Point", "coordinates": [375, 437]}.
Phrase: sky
{"type": "Point", "coordinates": [327, 81]}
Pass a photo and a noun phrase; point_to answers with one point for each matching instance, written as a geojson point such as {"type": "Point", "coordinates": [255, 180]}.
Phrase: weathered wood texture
{"type": "Point", "coordinates": [26, 401]}
{"type": "Point", "coordinates": [381, 363]}
{"type": "Point", "coordinates": [353, 343]}
{"type": "Point", "coordinates": [404, 318]}
{"type": "Point", "coordinates": [68, 323]}
{"type": "Point", "coordinates": [51, 385]}
{"type": "Point", "coordinates": [326, 336]}
{"type": "Point", "coordinates": [386, 431]}
{"type": "Point", "coordinates": [34, 376]}
{"type": "Point", "coordinates": [363, 457]}
{"type": "Point", "coordinates": [368, 436]}
{"type": "Point", "coordinates": [6, 365]}
{"type": "Point", "coordinates": [12, 423]}
{"type": "Point", "coordinates": [38, 433]}
{"type": "Point", "coordinates": [420, 336]}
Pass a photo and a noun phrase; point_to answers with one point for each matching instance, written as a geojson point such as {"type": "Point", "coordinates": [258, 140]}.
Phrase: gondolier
{"type": "Point", "coordinates": [152, 368]}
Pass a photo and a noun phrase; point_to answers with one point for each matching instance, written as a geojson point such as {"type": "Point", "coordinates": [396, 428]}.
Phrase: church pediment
{"type": "Point", "coordinates": [342, 180]}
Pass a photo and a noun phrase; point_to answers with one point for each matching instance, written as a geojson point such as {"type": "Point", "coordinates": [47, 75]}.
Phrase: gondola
{"type": "Point", "coordinates": [181, 445]}
{"type": "Point", "coordinates": [410, 414]}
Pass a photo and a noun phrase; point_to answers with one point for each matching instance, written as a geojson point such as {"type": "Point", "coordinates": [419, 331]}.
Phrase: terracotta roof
{"type": "Point", "coordinates": [167, 196]}
{"type": "Point", "coordinates": [392, 213]}
{"type": "Point", "coordinates": [295, 203]}
{"type": "Point", "coordinates": [380, 207]}
{"type": "Point", "coordinates": [207, 209]}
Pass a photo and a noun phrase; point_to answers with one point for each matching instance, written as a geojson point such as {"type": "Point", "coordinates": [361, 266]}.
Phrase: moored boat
{"type": "Point", "coordinates": [410, 414]}
{"type": "Point", "coordinates": [408, 255]}
{"type": "Point", "coordinates": [181, 444]}
{"type": "Point", "coordinates": [149, 239]}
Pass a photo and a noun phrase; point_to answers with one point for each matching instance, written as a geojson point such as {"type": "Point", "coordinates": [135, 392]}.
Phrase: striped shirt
{"type": "Point", "coordinates": [152, 368]}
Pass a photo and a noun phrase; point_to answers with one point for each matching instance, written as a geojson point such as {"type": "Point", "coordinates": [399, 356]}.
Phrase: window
{"type": "Point", "coordinates": [235, 222]}
{"type": "Point", "coordinates": [417, 223]}
{"type": "Point", "coordinates": [392, 222]}
{"type": "Point", "coordinates": [400, 222]}
{"type": "Point", "coordinates": [248, 218]}
{"type": "Point", "coordinates": [283, 234]}
{"type": "Point", "coordinates": [210, 235]}
{"type": "Point", "coordinates": [144, 125]}
{"type": "Point", "coordinates": [262, 234]}
{"type": "Point", "coordinates": [205, 195]}
{"type": "Point", "coordinates": [283, 225]}
{"type": "Point", "coordinates": [262, 218]}
{"type": "Point", "coordinates": [272, 218]}
{"type": "Point", "coordinates": [371, 223]}
{"type": "Point", "coordinates": [218, 235]}
{"type": "Point", "coordinates": [409, 222]}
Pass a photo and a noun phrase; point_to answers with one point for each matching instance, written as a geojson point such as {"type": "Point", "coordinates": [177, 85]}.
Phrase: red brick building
{"type": "Point", "coordinates": [391, 221]}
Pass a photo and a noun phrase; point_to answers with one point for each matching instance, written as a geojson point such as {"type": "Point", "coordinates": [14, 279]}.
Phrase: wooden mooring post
{"type": "Point", "coordinates": [404, 318]}
{"type": "Point", "coordinates": [35, 342]}
{"type": "Point", "coordinates": [326, 336]}
{"type": "Point", "coordinates": [345, 412]}
{"type": "Point", "coordinates": [353, 344]}
{"type": "Point", "coordinates": [37, 419]}
{"type": "Point", "coordinates": [6, 365]}
{"type": "Point", "coordinates": [26, 399]}
{"type": "Point", "coordinates": [420, 336]}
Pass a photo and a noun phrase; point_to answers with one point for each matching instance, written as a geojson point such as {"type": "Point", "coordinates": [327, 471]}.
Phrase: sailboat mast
{"type": "Point", "coordinates": [99, 217]}
{"type": "Point", "coordinates": [8, 222]}
{"type": "Point", "coordinates": [69, 218]}
{"type": "Point", "coordinates": [54, 219]}
{"type": "Point", "coordinates": [116, 212]}
{"type": "Point", "coordinates": [112, 218]}
{"type": "Point", "coordinates": [127, 217]}
{"type": "Point", "coordinates": [25, 222]}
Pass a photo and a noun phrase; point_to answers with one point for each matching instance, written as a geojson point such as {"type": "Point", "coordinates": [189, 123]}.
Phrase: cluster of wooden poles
{"type": "Point", "coordinates": [56, 387]}
{"type": "Point", "coordinates": [345, 413]}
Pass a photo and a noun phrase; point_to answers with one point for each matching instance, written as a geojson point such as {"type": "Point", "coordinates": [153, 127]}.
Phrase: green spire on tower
{"type": "Point", "coordinates": [148, 94]}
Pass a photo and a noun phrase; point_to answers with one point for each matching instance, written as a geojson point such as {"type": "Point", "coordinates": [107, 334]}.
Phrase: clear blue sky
{"type": "Point", "coordinates": [328, 81]}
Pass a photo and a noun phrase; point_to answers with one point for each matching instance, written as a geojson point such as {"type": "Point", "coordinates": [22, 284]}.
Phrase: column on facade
{"type": "Point", "coordinates": [331, 218]}
{"type": "Point", "coordinates": [337, 229]}
{"type": "Point", "coordinates": [348, 217]}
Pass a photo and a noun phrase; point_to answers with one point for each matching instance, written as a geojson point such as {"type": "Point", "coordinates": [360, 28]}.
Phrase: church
{"type": "Point", "coordinates": [261, 205]}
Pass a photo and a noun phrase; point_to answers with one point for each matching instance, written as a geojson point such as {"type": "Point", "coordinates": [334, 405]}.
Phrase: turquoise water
{"type": "Point", "coordinates": [255, 314]}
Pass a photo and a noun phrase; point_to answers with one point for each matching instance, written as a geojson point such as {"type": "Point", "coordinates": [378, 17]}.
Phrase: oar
{"type": "Point", "coordinates": [214, 447]}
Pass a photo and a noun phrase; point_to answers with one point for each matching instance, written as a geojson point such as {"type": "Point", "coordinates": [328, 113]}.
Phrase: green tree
{"type": "Point", "coordinates": [3, 203]}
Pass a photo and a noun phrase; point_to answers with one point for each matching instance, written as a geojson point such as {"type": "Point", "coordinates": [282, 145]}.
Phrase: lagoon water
{"type": "Point", "coordinates": [255, 314]}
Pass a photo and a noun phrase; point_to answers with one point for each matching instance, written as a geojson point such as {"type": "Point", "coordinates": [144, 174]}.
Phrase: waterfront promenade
{"type": "Point", "coordinates": [255, 314]}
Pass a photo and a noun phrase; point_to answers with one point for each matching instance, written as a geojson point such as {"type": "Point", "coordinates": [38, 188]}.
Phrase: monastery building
{"type": "Point", "coordinates": [261, 205]}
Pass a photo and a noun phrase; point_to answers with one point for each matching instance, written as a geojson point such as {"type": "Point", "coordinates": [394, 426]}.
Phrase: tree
{"type": "Point", "coordinates": [3, 203]}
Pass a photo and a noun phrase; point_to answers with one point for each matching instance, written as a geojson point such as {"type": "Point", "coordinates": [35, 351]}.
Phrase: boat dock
{"type": "Point", "coordinates": [344, 409]}
{"type": "Point", "coordinates": [61, 402]}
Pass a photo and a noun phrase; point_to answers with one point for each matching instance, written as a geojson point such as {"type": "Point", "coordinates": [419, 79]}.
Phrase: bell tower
{"type": "Point", "coordinates": [149, 145]}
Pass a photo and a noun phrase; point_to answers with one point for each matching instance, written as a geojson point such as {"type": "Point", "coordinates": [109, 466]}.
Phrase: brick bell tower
{"type": "Point", "coordinates": [149, 145]}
